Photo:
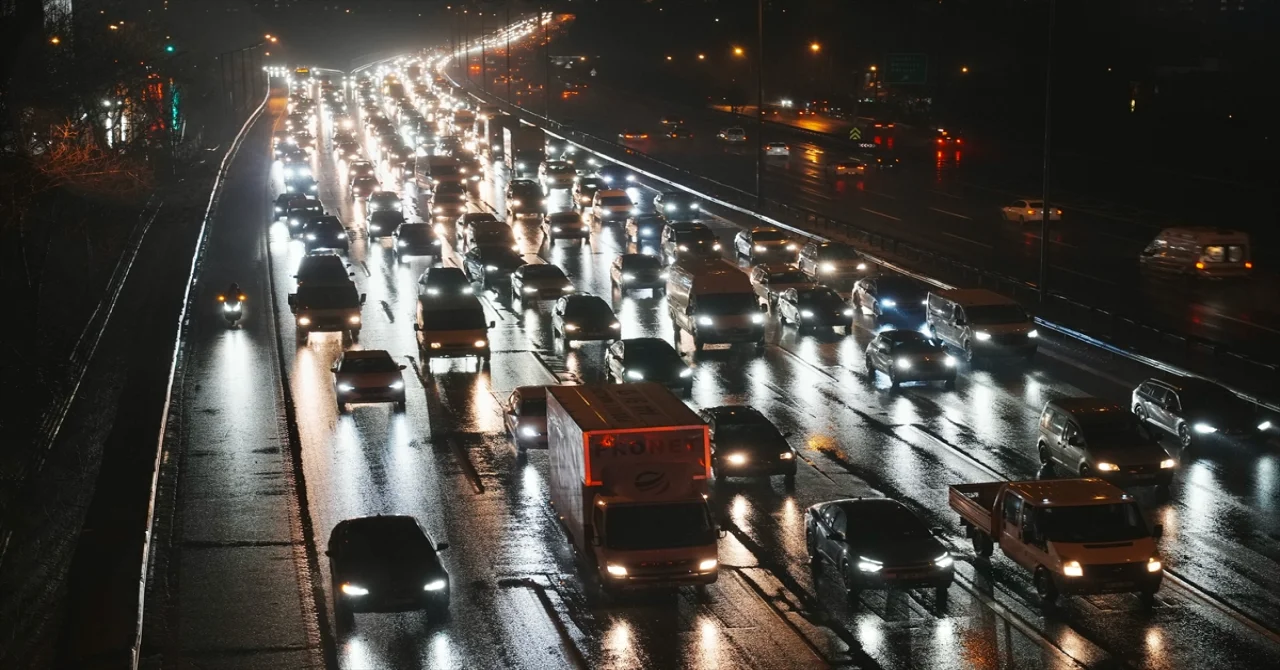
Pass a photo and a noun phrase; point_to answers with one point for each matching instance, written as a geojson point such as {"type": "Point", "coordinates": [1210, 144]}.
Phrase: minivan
{"type": "Point", "coordinates": [1199, 251]}
{"type": "Point", "coordinates": [452, 328]}
{"type": "Point", "coordinates": [714, 302]}
{"type": "Point", "coordinates": [1091, 437]}
{"type": "Point", "coordinates": [980, 323]}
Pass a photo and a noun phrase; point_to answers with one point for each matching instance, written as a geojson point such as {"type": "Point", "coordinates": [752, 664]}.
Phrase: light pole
{"type": "Point", "coordinates": [546, 65]}
{"type": "Point", "coordinates": [508, 53]}
{"type": "Point", "coordinates": [759, 102]}
{"type": "Point", "coordinates": [1044, 187]}
{"type": "Point", "coordinates": [484, 78]}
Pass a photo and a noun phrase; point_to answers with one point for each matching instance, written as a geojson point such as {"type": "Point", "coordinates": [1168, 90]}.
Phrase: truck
{"type": "Point", "coordinates": [330, 307]}
{"type": "Point", "coordinates": [523, 149]}
{"type": "Point", "coordinates": [431, 171]}
{"type": "Point", "coordinates": [491, 133]}
{"type": "Point", "coordinates": [1075, 536]}
{"type": "Point", "coordinates": [629, 467]}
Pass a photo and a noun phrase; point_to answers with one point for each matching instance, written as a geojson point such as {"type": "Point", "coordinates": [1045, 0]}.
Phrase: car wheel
{"type": "Point", "coordinates": [857, 305]}
{"type": "Point", "coordinates": [1045, 588]}
{"type": "Point", "coordinates": [852, 588]}
{"type": "Point", "coordinates": [355, 335]}
{"type": "Point", "coordinates": [342, 407]}
{"type": "Point", "coordinates": [343, 618]}
{"type": "Point", "coordinates": [983, 545]}
{"type": "Point", "coordinates": [940, 594]}
{"type": "Point", "coordinates": [400, 406]}
{"type": "Point", "coordinates": [1022, 219]}
{"type": "Point", "coordinates": [1147, 598]}
{"type": "Point", "coordinates": [893, 380]}
{"type": "Point", "coordinates": [968, 352]}
{"type": "Point", "coordinates": [1184, 436]}
{"type": "Point", "coordinates": [719, 473]}
{"type": "Point", "coordinates": [1144, 426]}
{"type": "Point", "coordinates": [811, 546]}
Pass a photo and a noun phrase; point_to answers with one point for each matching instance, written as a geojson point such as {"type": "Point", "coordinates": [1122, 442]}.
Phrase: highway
{"type": "Point", "coordinates": [272, 467]}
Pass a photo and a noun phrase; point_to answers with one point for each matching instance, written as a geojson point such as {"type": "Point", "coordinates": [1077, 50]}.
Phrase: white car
{"type": "Point", "coordinates": [611, 205]}
{"type": "Point", "coordinates": [1028, 210]}
{"type": "Point", "coordinates": [777, 149]}
{"type": "Point", "coordinates": [733, 135]}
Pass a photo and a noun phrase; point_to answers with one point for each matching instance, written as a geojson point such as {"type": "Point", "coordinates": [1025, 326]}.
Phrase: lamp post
{"type": "Point", "coordinates": [508, 31]}
{"type": "Point", "coordinates": [759, 103]}
{"type": "Point", "coordinates": [546, 65]}
{"type": "Point", "coordinates": [1044, 185]}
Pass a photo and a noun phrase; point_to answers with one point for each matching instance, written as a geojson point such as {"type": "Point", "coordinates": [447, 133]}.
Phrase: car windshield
{"type": "Point", "coordinates": [542, 272]}
{"type": "Point", "coordinates": [789, 277]}
{"type": "Point", "coordinates": [902, 289]}
{"type": "Point", "coordinates": [836, 253]}
{"type": "Point", "coordinates": [1112, 522]}
{"type": "Point", "coordinates": [727, 304]}
{"type": "Point", "coordinates": [444, 170]}
{"type": "Point", "coordinates": [564, 217]}
{"type": "Point", "coordinates": [662, 526]}
{"type": "Point", "coordinates": [386, 216]}
{"type": "Point", "coordinates": [375, 545]}
{"type": "Point", "coordinates": [615, 201]}
{"type": "Point", "coordinates": [995, 314]}
{"type": "Point", "coordinates": [920, 346]}
{"type": "Point", "coordinates": [753, 434]}
{"type": "Point", "coordinates": [822, 298]}
{"type": "Point", "coordinates": [453, 319]}
{"type": "Point", "coordinates": [1112, 429]}
{"type": "Point", "coordinates": [639, 262]}
{"type": "Point", "coordinates": [326, 297]}
{"type": "Point", "coordinates": [594, 310]}
{"type": "Point", "coordinates": [884, 522]}
{"type": "Point", "coordinates": [533, 407]}
{"type": "Point", "coordinates": [416, 232]}
{"type": "Point", "coordinates": [491, 230]}
{"type": "Point", "coordinates": [378, 364]}
{"type": "Point", "coordinates": [447, 280]}
{"type": "Point", "coordinates": [525, 190]}
{"type": "Point", "coordinates": [768, 236]}
{"type": "Point", "coordinates": [442, 196]}
{"type": "Point", "coordinates": [695, 235]}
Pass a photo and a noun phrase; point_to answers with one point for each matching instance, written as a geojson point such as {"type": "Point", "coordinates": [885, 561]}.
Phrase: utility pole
{"type": "Point", "coordinates": [484, 77]}
{"type": "Point", "coordinates": [759, 102]}
{"type": "Point", "coordinates": [1045, 215]}
{"type": "Point", "coordinates": [508, 53]}
{"type": "Point", "coordinates": [546, 66]}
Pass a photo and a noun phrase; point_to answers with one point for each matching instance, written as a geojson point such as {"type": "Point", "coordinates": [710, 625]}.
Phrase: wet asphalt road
{"type": "Point", "coordinates": [519, 600]}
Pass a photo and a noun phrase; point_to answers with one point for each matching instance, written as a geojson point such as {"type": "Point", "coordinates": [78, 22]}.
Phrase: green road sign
{"type": "Point", "coordinates": [855, 133]}
{"type": "Point", "coordinates": [906, 68]}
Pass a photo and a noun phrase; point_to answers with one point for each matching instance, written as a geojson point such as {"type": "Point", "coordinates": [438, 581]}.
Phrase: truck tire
{"type": "Point", "coordinates": [789, 482]}
{"type": "Point", "coordinates": [982, 544]}
{"type": "Point", "coordinates": [1045, 588]}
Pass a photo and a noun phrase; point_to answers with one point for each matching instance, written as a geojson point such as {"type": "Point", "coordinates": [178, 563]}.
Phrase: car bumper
{"type": "Point", "coordinates": [408, 601]}
{"type": "Point", "coordinates": [756, 469]}
{"type": "Point", "coordinates": [327, 325]}
{"type": "Point", "coordinates": [1147, 582]}
{"type": "Point", "coordinates": [447, 350]}
{"type": "Point", "coordinates": [1151, 476]}
{"type": "Point", "coordinates": [922, 578]}
{"type": "Point", "coordinates": [643, 283]}
{"type": "Point", "coordinates": [579, 232]}
{"type": "Point", "coordinates": [990, 348]}
{"type": "Point", "coordinates": [371, 395]}
{"type": "Point", "coordinates": [728, 335]}
{"type": "Point", "coordinates": [918, 375]}
{"type": "Point", "coordinates": [659, 579]}
{"type": "Point", "coordinates": [586, 335]}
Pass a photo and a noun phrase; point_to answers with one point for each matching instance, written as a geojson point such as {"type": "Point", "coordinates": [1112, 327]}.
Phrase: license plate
{"type": "Point", "coordinates": [1119, 586]}
{"type": "Point", "coordinates": [907, 575]}
{"type": "Point", "coordinates": [1144, 476]}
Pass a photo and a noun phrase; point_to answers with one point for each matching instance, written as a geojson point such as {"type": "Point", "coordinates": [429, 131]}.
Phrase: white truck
{"type": "Point", "coordinates": [629, 470]}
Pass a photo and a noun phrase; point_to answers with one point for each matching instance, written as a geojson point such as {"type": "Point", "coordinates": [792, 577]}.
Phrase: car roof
{"type": "Point", "coordinates": [975, 297]}
{"type": "Point", "coordinates": [532, 392]}
{"type": "Point", "coordinates": [442, 270]}
{"type": "Point", "coordinates": [1086, 406]}
{"type": "Point", "coordinates": [778, 268]}
{"type": "Point", "coordinates": [567, 214]}
{"type": "Point", "coordinates": [869, 505]}
{"type": "Point", "coordinates": [367, 524]}
{"type": "Point", "coordinates": [905, 336]}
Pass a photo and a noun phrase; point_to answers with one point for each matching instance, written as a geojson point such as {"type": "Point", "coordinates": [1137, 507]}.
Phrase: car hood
{"type": "Point", "coordinates": [901, 551]}
{"type": "Point", "coordinates": [369, 379]}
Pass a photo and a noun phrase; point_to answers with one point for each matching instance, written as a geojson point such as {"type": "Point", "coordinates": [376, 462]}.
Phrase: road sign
{"type": "Point", "coordinates": [855, 133]}
{"type": "Point", "coordinates": [906, 68]}
{"type": "Point", "coordinates": [593, 72]}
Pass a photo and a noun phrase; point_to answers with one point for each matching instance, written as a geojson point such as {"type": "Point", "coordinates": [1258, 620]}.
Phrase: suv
{"type": "Point", "coordinates": [1091, 437]}
{"type": "Point", "coordinates": [367, 376]}
{"type": "Point", "coordinates": [1192, 410]}
{"type": "Point", "coordinates": [831, 262]}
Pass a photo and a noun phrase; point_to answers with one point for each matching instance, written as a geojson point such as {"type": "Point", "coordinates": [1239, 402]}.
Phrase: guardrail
{"type": "Point", "coordinates": [1100, 329]}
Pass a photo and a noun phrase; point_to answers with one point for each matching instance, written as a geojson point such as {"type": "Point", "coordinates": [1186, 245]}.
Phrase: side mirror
{"type": "Point", "coordinates": [1157, 531]}
{"type": "Point", "coordinates": [764, 308]}
{"type": "Point", "coordinates": [961, 322]}
{"type": "Point", "coordinates": [417, 327]}
{"type": "Point", "coordinates": [493, 324]}
{"type": "Point", "coordinates": [362, 296]}
{"type": "Point", "coordinates": [402, 366]}
{"type": "Point", "coordinates": [442, 546]}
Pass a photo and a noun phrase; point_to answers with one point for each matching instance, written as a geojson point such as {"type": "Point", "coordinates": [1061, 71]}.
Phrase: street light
{"type": "Point", "coordinates": [815, 47]}
{"type": "Point", "coordinates": [700, 56]}
{"type": "Point", "coordinates": [964, 69]}
{"type": "Point", "coordinates": [737, 51]}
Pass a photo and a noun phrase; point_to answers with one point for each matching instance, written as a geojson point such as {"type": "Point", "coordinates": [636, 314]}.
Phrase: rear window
{"type": "Point", "coordinates": [453, 319]}
{"type": "Point", "coordinates": [1232, 253]}
{"type": "Point", "coordinates": [542, 272]}
{"type": "Point", "coordinates": [789, 277]}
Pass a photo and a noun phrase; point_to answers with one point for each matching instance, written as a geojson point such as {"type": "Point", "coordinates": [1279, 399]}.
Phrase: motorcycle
{"type": "Point", "coordinates": [233, 308]}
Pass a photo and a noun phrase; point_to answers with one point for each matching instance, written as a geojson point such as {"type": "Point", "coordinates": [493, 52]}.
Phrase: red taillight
{"type": "Point", "coordinates": [1199, 265]}
{"type": "Point", "coordinates": [1248, 265]}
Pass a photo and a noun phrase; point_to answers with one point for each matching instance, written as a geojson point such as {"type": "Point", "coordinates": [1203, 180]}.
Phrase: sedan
{"type": "Point", "coordinates": [643, 230]}
{"type": "Point", "coordinates": [678, 133]}
{"type": "Point", "coordinates": [910, 356]}
{"type": "Point", "coordinates": [346, 150]}
{"type": "Point", "coordinates": [525, 416]}
{"type": "Point", "coordinates": [611, 205]}
{"type": "Point", "coordinates": [538, 281]}
{"type": "Point", "coordinates": [448, 202]}
{"type": "Point", "coordinates": [462, 227]}
{"type": "Point", "coordinates": [491, 265]}
{"type": "Point", "coordinates": [299, 213]}
{"type": "Point", "coordinates": [677, 206]}
{"type": "Point", "coordinates": [734, 135]}
{"type": "Point", "coordinates": [565, 225]}
{"type": "Point", "coordinates": [616, 176]}
{"type": "Point", "coordinates": [524, 198]}
{"type": "Point", "coordinates": [847, 167]}
{"type": "Point", "coordinates": [383, 200]}
{"type": "Point", "coordinates": [633, 272]}
{"type": "Point", "coordinates": [1023, 211]}
{"type": "Point", "coordinates": [746, 444]}
{"type": "Point", "coordinates": [765, 242]}
{"type": "Point", "coordinates": [584, 317]}
{"type": "Point", "coordinates": [584, 190]}
{"type": "Point", "coordinates": [877, 543]}
{"type": "Point", "coordinates": [413, 240]}
{"type": "Point", "coordinates": [777, 149]}
{"type": "Point", "coordinates": [364, 186]}
{"type": "Point", "coordinates": [445, 283]}
{"type": "Point", "coordinates": [556, 174]}
{"type": "Point", "coordinates": [384, 222]}
{"type": "Point", "coordinates": [367, 376]}
{"type": "Point", "coordinates": [325, 232]}
{"type": "Point", "coordinates": [814, 307]}
{"type": "Point", "coordinates": [892, 299]}
{"type": "Point", "coordinates": [491, 234]}
{"type": "Point", "coordinates": [386, 564]}
{"type": "Point", "coordinates": [305, 184]}
{"type": "Point", "coordinates": [285, 201]}
{"type": "Point", "coordinates": [648, 359]}
{"type": "Point", "coordinates": [770, 280]}
{"type": "Point", "coordinates": [633, 135]}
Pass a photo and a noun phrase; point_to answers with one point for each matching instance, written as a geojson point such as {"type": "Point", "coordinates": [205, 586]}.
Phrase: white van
{"type": "Point", "coordinates": [452, 328]}
{"type": "Point", "coordinates": [715, 302]}
{"type": "Point", "coordinates": [1200, 251]}
{"type": "Point", "coordinates": [979, 322]}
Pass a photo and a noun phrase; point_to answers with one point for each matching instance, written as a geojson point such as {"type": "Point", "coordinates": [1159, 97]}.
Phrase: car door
{"type": "Point", "coordinates": [512, 415]}
{"type": "Point", "coordinates": [787, 307]}
{"type": "Point", "coordinates": [1172, 411]}
{"type": "Point", "coordinates": [870, 295]}
{"type": "Point", "coordinates": [1070, 446]}
{"type": "Point", "coordinates": [833, 537]}
{"type": "Point", "coordinates": [614, 361]}
{"type": "Point", "coordinates": [1010, 539]}
{"type": "Point", "coordinates": [557, 316]}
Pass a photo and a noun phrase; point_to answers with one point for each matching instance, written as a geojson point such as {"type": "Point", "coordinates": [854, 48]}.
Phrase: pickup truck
{"type": "Point", "coordinates": [1075, 536]}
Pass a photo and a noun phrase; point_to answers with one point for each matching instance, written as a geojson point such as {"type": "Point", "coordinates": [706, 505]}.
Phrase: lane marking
{"type": "Point", "coordinates": [958, 216]}
{"type": "Point", "coordinates": [1086, 276]}
{"type": "Point", "coordinates": [882, 195]}
{"type": "Point", "coordinates": [887, 216]}
{"type": "Point", "coordinates": [949, 195]}
{"type": "Point", "coordinates": [961, 237]}
{"type": "Point", "coordinates": [1220, 315]}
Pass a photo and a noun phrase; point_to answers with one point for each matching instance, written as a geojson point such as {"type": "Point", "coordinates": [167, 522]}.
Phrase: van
{"type": "Point", "coordinates": [714, 302]}
{"type": "Point", "coordinates": [452, 328]}
{"type": "Point", "coordinates": [1092, 437]}
{"type": "Point", "coordinates": [431, 171]}
{"type": "Point", "coordinates": [981, 323]}
{"type": "Point", "coordinates": [323, 269]}
{"type": "Point", "coordinates": [1199, 251]}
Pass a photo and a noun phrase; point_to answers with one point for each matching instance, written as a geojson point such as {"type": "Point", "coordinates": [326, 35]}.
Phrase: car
{"type": "Point", "coordinates": [305, 184]}
{"type": "Point", "coordinates": [383, 200]}
{"type": "Point", "coordinates": [648, 359]}
{"type": "Point", "coordinates": [384, 222]}
{"type": "Point", "coordinates": [448, 200]}
{"type": "Point", "coordinates": [847, 167]}
{"type": "Point", "coordinates": [630, 134]}
{"type": "Point", "coordinates": [910, 356]}
{"type": "Point", "coordinates": [632, 272]}
{"type": "Point", "coordinates": [832, 262]}
{"type": "Point", "coordinates": [472, 171]}
{"type": "Point", "coordinates": [444, 283]}
{"type": "Point", "coordinates": [286, 201]}
{"type": "Point", "coordinates": [364, 186]}
{"type": "Point", "coordinates": [584, 190]}
{"type": "Point", "coordinates": [491, 265]}
{"type": "Point", "coordinates": [611, 205]}
{"type": "Point", "coordinates": [615, 176]}
{"type": "Point", "coordinates": [346, 150]}
{"type": "Point", "coordinates": [894, 299]}
{"type": "Point", "coordinates": [325, 232]}
{"type": "Point", "coordinates": [689, 240]}
{"type": "Point", "coordinates": [777, 149]}
{"type": "Point", "coordinates": [412, 240]}
{"type": "Point", "coordinates": [448, 145]}
{"type": "Point", "coordinates": [1023, 211]}
{"type": "Point", "coordinates": [565, 225]}
{"type": "Point", "coordinates": [525, 416]}
{"type": "Point", "coordinates": [291, 171]}
{"type": "Point", "coordinates": [881, 160]}
{"type": "Point", "coordinates": [677, 206]}
{"type": "Point", "coordinates": [771, 279]}
{"type": "Point", "coordinates": [291, 155]}
{"type": "Point", "coordinates": [643, 229]}
{"type": "Point", "coordinates": [360, 168]}
{"type": "Point", "coordinates": [814, 306]}
{"type": "Point", "coordinates": [946, 139]}
{"type": "Point", "coordinates": [1092, 437]}
{"type": "Point", "coordinates": [367, 376]}
{"type": "Point", "coordinates": [877, 543]}
{"type": "Point", "coordinates": [538, 281]}
{"type": "Point", "coordinates": [491, 234]}
{"type": "Point", "coordinates": [678, 133]}
{"type": "Point", "coordinates": [583, 317]}
{"type": "Point", "coordinates": [744, 443]}
{"type": "Point", "coordinates": [1194, 411]}
{"type": "Point", "coordinates": [525, 198]}
{"type": "Point", "coordinates": [673, 120]}
{"type": "Point", "coordinates": [734, 134]}
{"type": "Point", "coordinates": [764, 242]}
{"type": "Point", "coordinates": [305, 141]}
{"type": "Point", "coordinates": [386, 564]}
{"type": "Point", "coordinates": [462, 227]}
{"type": "Point", "coordinates": [556, 174]}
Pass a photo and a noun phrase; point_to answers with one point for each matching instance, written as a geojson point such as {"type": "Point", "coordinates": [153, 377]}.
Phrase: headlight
{"type": "Point", "coordinates": [686, 373]}
{"type": "Point", "coordinates": [342, 236]}
{"type": "Point", "coordinates": [982, 336]}
{"type": "Point", "coordinates": [353, 590]}
{"type": "Point", "coordinates": [949, 361]}
{"type": "Point", "coordinates": [556, 229]}
{"type": "Point", "coordinates": [1204, 428]}
{"type": "Point", "coordinates": [627, 276]}
{"type": "Point", "coordinates": [1154, 565]}
{"type": "Point", "coordinates": [1107, 467]}
{"type": "Point", "coordinates": [528, 431]}
{"type": "Point", "coordinates": [480, 344]}
{"type": "Point", "coordinates": [434, 585]}
{"type": "Point", "coordinates": [693, 206]}
{"type": "Point", "coordinates": [304, 321]}
{"type": "Point", "coordinates": [436, 345]}
{"type": "Point", "coordinates": [759, 247]}
{"type": "Point", "coordinates": [515, 203]}
{"type": "Point", "coordinates": [437, 210]}
{"type": "Point", "coordinates": [345, 388]}
{"type": "Point", "coordinates": [786, 456]}
{"type": "Point", "coordinates": [616, 570]}
{"type": "Point", "coordinates": [311, 236]}
{"type": "Point", "coordinates": [569, 289]}
{"type": "Point", "coordinates": [806, 314]}
{"type": "Point", "coordinates": [888, 302]}
{"type": "Point", "coordinates": [631, 177]}
{"type": "Point", "coordinates": [433, 291]}
{"type": "Point", "coordinates": [869, 565]}
{"type": "Point", "coordinates": [736, 459]}
{"type": "Point", "coordinates": [401, 243]}
{"type": "Point", "coordinates": [397, 385]}
{"type": "Point", "coordinates": [1033, 333]}
{"type": "Point", "coordinates": [353, 319]}
{"type": "Point", "coordinates": [705, 321]}
{"type": "Point", "coordinates": [1072, 569]}
{"type": "Point", "coordinates": [570, 327]}
{"type": "Point", "coordinates": [490, 268]}
{"type": "Point", "coordinates": [791, 247]}
{"type": "Point", "coordinates": [635, 374]}
{"type": "Point", "coordinates": [707, 565]}
{"type": "Point", "coordinates": [848, 312]}
{"type": "Point", "coordinates": [715, 247]}
{"type": "Point", "coordinates": [635, 211]}
{"type": "Point", "coordinates": [683, 247]}
{"type": "Point", "coordinates": [827, 267]}
{"type": "Point", "coordinates": [944, 561]}
{"type": "Point", "coordinates": [1265, 425]}
{"type": "Point", "coordinates": [1167, 464]}
{"type": "Point", "coordinates": [903, 364]}
{"type": "Point", "coordinates": [615, 325]}
{"type": "Point", "coordinates": [757, 318]}
{"type": "Point", "coordinates": [529, 289]}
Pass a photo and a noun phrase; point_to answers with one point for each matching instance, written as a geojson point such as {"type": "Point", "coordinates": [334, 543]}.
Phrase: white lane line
{"type": "Point", "coordinates": [872, 211]}
{"type": "Point", "coordinates": [949, 195]}
{"type": "Point", "coordinates": [882, 195]}
{"type": "Point", "coordinates": [1220, 315]}
{"type": "Point", "coordinates": [960, 237]}
{"type": "Point", "coordinates": [1086, 276]}
{"type": "Point", "coordinates": [958, 216]}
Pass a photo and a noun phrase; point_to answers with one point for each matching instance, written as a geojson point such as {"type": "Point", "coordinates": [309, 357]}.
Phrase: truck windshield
{"type": "Point", "coordinates": [727, 304]}
{"type": "Point", "coordinates": [664, 526]}
{"type": "Point", "coordinates": [994, 314]}
{"type": "Point", "coordinates": [1113, 522]}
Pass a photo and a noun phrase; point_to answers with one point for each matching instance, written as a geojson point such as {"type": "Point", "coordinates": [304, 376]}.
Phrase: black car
{"type": "Point", "coordinates": [746, 444]}
{"type": "Point", "coordinates": [415, 239]}
{"type": "Point", "coordinates": [384, 222]}
{"type": "Point", "coordinates": [630, 272]}
{"type": "Point", "coordinates": [538, 281]}
{"type": "Point", "coordinates": [443, 282]}
{"type": "Point", "coordinates": [584, 317]}
{"type": "Point", "coordinates": [524, 198]}
{"type": "Point", "coordinates": [386, 564]}
{"type": "Point", "coordinates": [877, 543]}
{"type": "Point", "coordinates": [893, 299]}
{"type": "Point", "coordinates": [448, 200]}
{"type": "Point", "coordinates": [491, 265]}
{"type": "Point", "coordinates": [910, 356]}
{"type": "Point", "coordinates": [814, 307]}
{"type": "Point", "coordinates": [650, 359]}
{"type": "Point", "coordinates": [462, 227]}
{"type": "Point", "coordinates": [565, 225]}
{"type": "Point", "coordinates": [584, 190]}
{"type": "Point", "coordinates": [616, 176]}
{"type": "Point", "coordinates": [644, 230]}
{"type": "Point", "coordinates": [300, 212]}
{"type": "Point", "coordinates": [286, 200]}
{"type": "Point", "coordinates": [1194, 410]}
{"type": "Point", "coordinates": [303, 184]}
{"type": "Point", "coordinates": [383, 200]}
{"type": "Point", "coordinates": [689, 240]}
{"type": "Point", "coordinates": [324, 232]}
{"type": "Point", "coordinates": [677, 206]}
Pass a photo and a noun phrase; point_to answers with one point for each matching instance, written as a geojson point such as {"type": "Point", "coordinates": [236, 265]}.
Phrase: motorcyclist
{"type": "Point", "coordinates": [233, 294]}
